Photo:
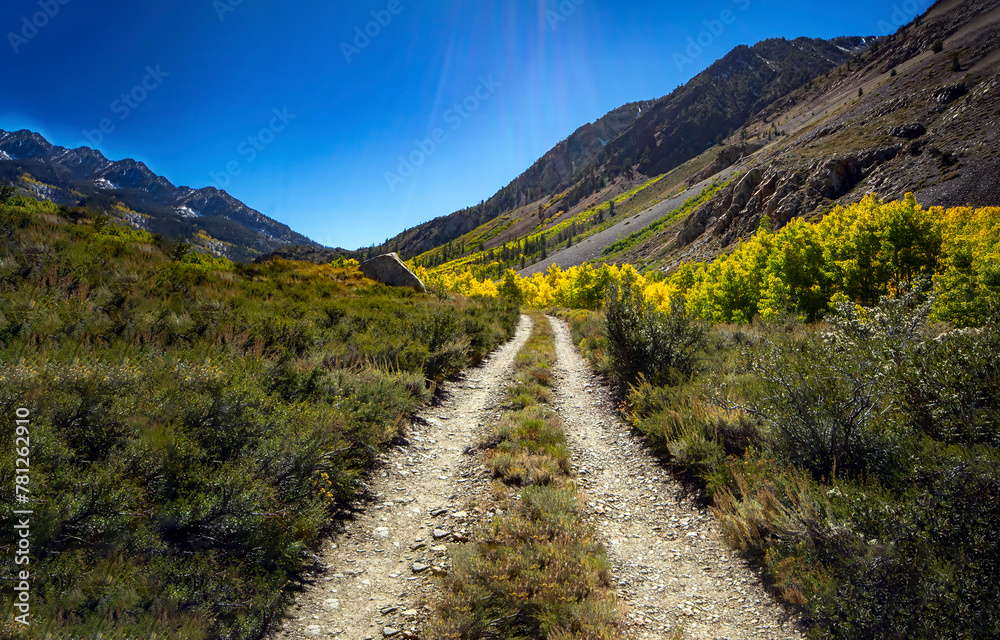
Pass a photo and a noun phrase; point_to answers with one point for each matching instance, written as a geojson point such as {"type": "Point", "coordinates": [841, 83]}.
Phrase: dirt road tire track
{"type": "Point", "coordinates": [669, 563]}
{"type": "Point", "coordinates": [668, 559]}
{"type": "Point", "coordinates": [367, 584]}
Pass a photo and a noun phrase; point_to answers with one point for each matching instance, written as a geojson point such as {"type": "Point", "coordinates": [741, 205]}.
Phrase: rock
{"type": "Point", "coordinates": [420, 567]}
{"type": "Point", "coordinates": [908, 131]}
{"type": "Point", "coordinates": [438, 512]}
{"type": "Point", "coordinates": [389, 632]}
{"type": "Point", "coordinates": [441, 533]}
{"type": "Point", "coordinates": [381, 532]}
{"type": "Point", "coordinates": [946, 94]}
{"type": "Point", "coordinates": [387, 610]}
{"type": "Point", "coordinates": [313, 630]}
{"type": "Point", "coordinates": [332, 604]}
{"type": "Point", "coordinates": [389, 269]}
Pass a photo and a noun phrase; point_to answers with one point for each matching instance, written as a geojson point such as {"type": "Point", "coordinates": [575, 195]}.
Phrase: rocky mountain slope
{"type": "Point", "coordinates": [912, 112]}
{"type": "Point", "coordinates": [558, 169]}
{"type": "Point", "coordinates": [916, 114]}
{"type": "Point", "coordinates": [649, 138]}
{"type": "Point", "coordinates": [207, 217]}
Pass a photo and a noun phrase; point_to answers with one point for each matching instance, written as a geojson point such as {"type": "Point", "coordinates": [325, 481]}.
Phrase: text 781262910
{"type": "Point", "coordinates": [22, 517]}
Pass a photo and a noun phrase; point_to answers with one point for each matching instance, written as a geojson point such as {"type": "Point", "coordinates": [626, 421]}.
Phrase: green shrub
{"type": "Point", "coordinates": [642, 340]}
{"type": "Point", "coordinates": [828, 401]}
{"type": "Point", "coordinates": [952, 387]}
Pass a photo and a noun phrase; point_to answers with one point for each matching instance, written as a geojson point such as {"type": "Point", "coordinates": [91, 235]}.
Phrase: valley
{"type": "Point", "coordinates": [722, 364]}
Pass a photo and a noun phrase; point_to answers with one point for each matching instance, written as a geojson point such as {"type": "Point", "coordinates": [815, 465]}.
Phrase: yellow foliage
{"type": "Point", "coordinates": [858, 253]}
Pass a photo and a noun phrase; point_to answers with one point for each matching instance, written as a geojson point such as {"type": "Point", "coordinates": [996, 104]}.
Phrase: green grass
{"type": "Point", "coordinates": [196, 424]}
{"type": "Point", "coordinates": [534, 569]}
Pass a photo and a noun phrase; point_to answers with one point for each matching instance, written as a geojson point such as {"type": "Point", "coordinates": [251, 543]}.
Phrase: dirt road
{"type": "Point", "coordinates": [376, 577]}
{"type": "Point", "coordinates": [667, 555]}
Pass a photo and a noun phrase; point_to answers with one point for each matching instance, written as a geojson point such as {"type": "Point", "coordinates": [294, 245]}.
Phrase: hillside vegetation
{"type": "Point", "coordinates": [195, 423]}
{"type": "Point", "coordinates": [640, 141]}
{"type": "Point", "coordinates": [857, 461]}
{"type": "Point", "coordinates": [857, 253]}
{"type": "Point", "coordinates": [811, 384]}
{"type": "Point", "coordinates": [807, 124]}
{"type": "Point", "coordinates": [208, 218]}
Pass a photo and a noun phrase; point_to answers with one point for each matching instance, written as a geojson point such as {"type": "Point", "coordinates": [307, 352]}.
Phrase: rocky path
{"type": "Point", "coordinates": [668, 558]}
{"type": "Point", "coordinates": [375, 578]}
{"type": "Point", "coordinates": [671, 568]}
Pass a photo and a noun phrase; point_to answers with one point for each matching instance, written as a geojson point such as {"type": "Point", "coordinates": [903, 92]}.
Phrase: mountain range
{"type": "Point", "coordinates": [652, 137]}
{"type": "Point", "coordinates": [207, 217]}
{"type": "Point", "coordinates": [784, 129]}
{"type": "Point", "coordinates": [787, 128]}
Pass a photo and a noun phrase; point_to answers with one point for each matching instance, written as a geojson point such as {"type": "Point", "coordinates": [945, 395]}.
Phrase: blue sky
{"type": "Point", "coordinates": [304, 110]}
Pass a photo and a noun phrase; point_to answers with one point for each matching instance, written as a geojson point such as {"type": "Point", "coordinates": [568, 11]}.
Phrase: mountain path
{"type": "Point", "coordinates": [670, 566]}
{"type": "Point", "coordinates": [375, 578]}
{"type": "Point", "coordinates": [668, 559]}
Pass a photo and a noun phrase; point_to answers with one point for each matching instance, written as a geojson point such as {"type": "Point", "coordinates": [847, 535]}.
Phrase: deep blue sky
{"type": "Point", "coordinates": [217, 72]}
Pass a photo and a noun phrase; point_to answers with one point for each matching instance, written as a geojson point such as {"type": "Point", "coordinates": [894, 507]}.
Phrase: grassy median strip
{"type": "Point", "coordinates": [534, 569]}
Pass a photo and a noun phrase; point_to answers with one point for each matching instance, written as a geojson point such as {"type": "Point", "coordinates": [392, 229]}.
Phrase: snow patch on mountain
{"type": "Point", "coordinates": [186, 212]}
